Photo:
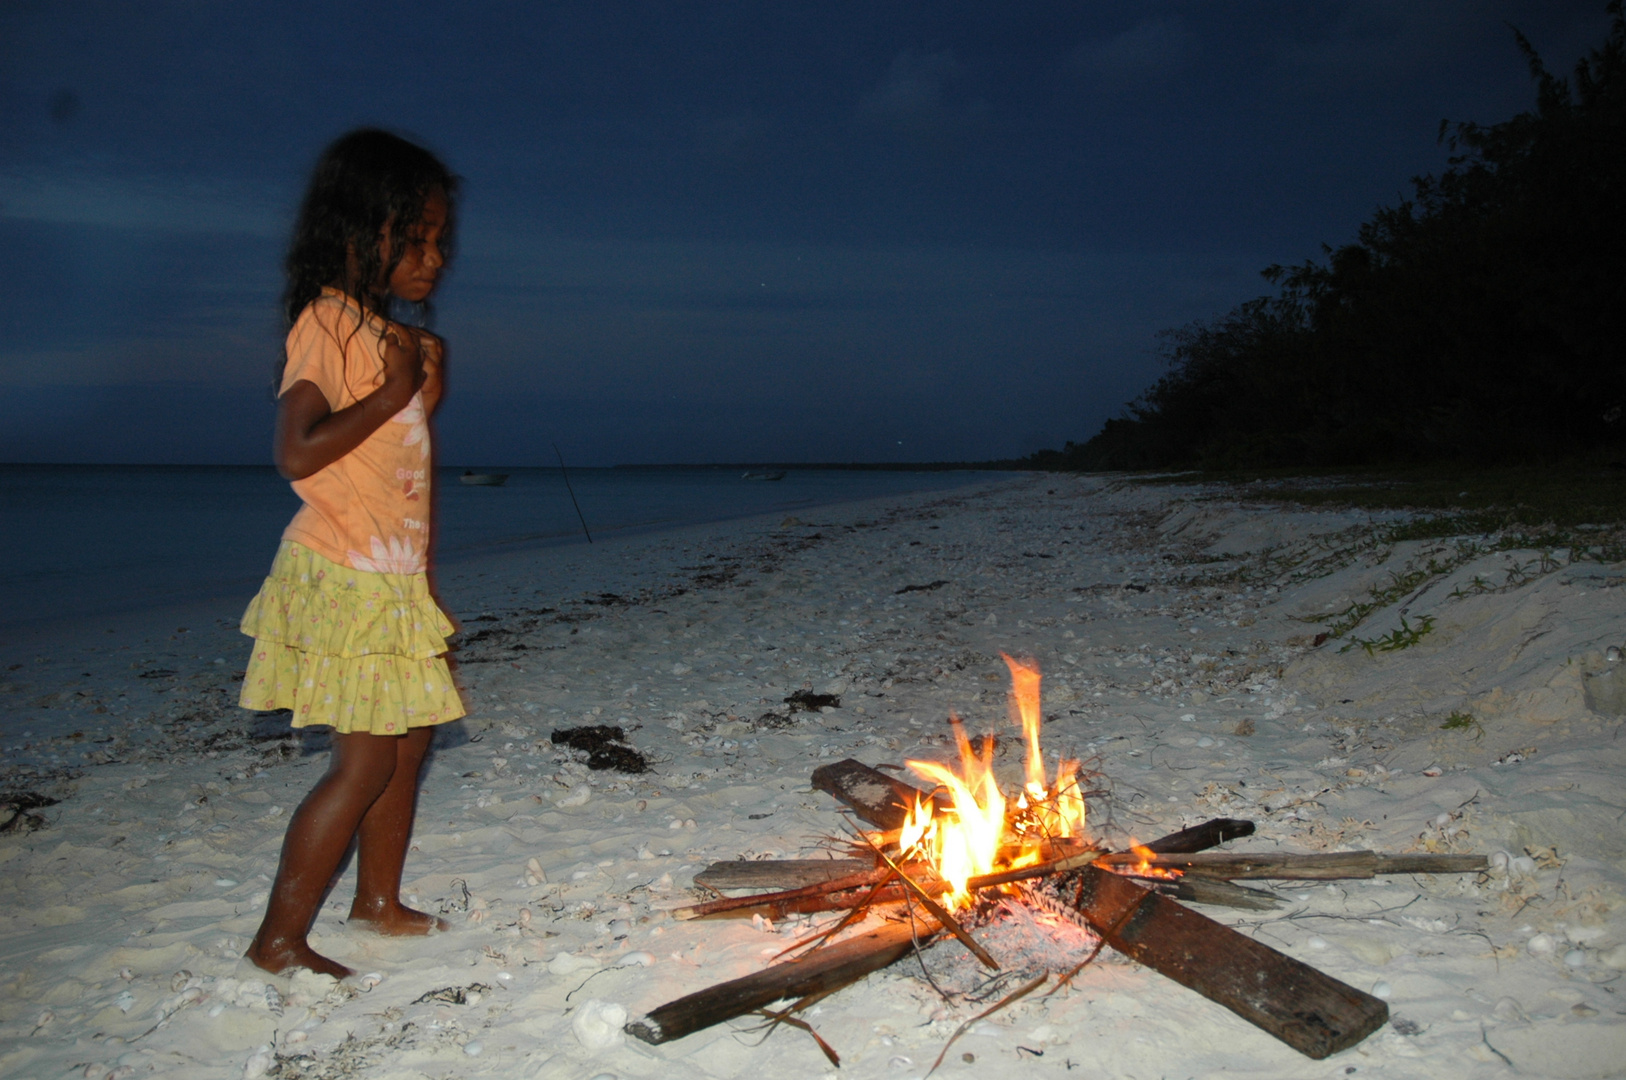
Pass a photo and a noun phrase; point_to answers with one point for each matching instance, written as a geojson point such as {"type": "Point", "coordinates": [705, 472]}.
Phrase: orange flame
{"type": "Point", "coordinates": [970, 844]}
{"type": "Point", "coordinates": [982, 831]}
{"type": "Point", "coordinates": [1144, 868]}
{"type": "Point", "coordinates": [1025, 694]}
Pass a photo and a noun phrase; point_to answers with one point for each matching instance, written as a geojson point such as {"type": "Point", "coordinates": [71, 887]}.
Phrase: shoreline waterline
{"type": "Point", "coordinates": [197, 637]}
{"type": "Point", "coordinates": [98, 541]}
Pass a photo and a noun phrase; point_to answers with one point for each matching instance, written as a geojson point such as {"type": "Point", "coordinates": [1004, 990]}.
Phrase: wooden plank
{"type": "Point", "coordinates": [1217, 892]}
{"type": "Point", "coordinates": [1324, 866]}
{"type": "Point", "coordinates": [883, 801]}
{"type": "Point", "coordinates": [829, 968]}
{"type": "Point", "coordinates": [1431, 864]}
{"type": "Point", "coordinates": [778, 873]}
{"type": "Point", "coordinates": [1310, 1011]}
{"type": "Point", "coordinates": [786, 901]}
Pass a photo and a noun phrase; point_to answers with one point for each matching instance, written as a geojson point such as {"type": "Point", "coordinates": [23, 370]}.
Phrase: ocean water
{"type": "Point", "coordinates": [84, 540]}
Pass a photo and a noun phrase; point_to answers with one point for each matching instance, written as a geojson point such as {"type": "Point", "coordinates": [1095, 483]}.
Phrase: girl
{"type": "Point", "coordinates": [346, 632]}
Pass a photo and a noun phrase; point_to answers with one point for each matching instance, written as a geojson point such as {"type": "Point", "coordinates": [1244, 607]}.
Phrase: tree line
{"type": "Point", "coordinates": [1479, 320]}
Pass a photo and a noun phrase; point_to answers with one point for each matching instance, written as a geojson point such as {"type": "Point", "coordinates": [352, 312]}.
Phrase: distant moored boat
{"type": "Point", "coordinates": [483, 479]}
{"type": "Point", "coordinates": [769, 474]}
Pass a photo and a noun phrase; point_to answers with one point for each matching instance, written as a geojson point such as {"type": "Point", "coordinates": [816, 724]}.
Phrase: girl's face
{"type": "Point", "coordinates": [414, 277]}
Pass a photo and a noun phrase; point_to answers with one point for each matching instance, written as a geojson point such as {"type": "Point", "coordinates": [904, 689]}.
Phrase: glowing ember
{"type": "Point", "coordinates": [981, 832]}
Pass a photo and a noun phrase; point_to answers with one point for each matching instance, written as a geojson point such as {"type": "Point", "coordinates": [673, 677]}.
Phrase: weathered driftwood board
{"type": "Point", "coordinates": [883, 801]}
{"type": "Point", "coordinates": [1218, 893]}
{"type": "Point", "coordinates": [849, 892]}
{"type": "Point", "coordinates": [1310, 1011]}
{"type": "Point", "coordinates": [831, 967]}
{"type": "Point", "coordinates": [778, 873]}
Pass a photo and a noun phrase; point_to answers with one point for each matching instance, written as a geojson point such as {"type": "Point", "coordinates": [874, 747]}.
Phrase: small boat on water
{"type": "Point", "coordinates": [767, 474]}
{"type": "Point", "coordinates": [483, 479]}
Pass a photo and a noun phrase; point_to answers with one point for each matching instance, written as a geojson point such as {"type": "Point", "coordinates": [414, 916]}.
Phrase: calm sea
{"type": "Point", "coordinates": [84, 540]}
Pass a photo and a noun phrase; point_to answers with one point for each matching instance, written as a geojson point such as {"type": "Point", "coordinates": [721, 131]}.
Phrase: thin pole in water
{"type": "Point", "coordinates": [572, 491]}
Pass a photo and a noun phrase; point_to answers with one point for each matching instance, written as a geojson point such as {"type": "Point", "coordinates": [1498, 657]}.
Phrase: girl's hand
{"type": "Point", "coordinates": [403, 360]}
{"type": "Point", "coordinates": [434, 369]}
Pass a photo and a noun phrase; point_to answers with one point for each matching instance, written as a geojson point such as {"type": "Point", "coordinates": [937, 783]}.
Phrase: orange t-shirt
{"type": "Point", "coordinates": [370, 509]}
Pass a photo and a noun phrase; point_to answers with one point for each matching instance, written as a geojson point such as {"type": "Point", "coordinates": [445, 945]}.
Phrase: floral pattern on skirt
{"type": "Point", "coordinates": [352, 649]}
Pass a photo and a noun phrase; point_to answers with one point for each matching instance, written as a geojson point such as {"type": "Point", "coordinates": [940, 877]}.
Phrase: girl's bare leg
{"type": "Point", "coordinates": [319, 833]}
{"type": "Point", "coordinates": [383, 836]}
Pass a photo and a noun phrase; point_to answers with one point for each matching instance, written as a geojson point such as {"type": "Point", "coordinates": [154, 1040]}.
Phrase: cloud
{"type": "Point", "coordinates": [913, 96]}
{"type": "Point", "coordinates": [1152, 47]}
{"type": "Point", "coordinates": [159, 203]}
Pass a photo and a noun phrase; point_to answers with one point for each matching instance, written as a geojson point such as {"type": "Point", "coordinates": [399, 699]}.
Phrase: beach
{"type": "Point", "coordinates": [1194, 658]}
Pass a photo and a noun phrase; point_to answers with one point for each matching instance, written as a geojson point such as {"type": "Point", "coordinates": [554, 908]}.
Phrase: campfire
{"type": "Point", "coordinates": [939, 861]}
{"type": "Point", "coordinates": [981, 831]}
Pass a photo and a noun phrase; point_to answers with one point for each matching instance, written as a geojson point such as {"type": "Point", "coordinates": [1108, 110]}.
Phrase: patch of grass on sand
{"type": "Point", "coordinates": [1463, 721]}
{"type": "Point", "coordinates": [1395, 640]}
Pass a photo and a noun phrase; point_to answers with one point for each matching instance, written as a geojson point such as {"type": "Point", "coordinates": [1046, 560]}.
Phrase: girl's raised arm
{"type": "Point", "coordinates": [310, 436]}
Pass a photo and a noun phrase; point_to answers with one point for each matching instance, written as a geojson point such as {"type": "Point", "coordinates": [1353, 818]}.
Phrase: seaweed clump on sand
{"type": "Point", "coordinates": [14, 811]}
{"type": "Point", "coordinates": [808, 701]}
{"type": "Point", "coordinates": [799, 701]}
{"type": "Point", "coordinates": [605, 745]}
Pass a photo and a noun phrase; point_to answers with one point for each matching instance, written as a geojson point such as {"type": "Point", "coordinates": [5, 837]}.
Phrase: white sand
{"type": "Point", "coordinates": [124, 918]}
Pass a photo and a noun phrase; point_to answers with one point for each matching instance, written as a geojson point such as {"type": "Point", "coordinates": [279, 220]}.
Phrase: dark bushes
{"type": "Point", "coordinates": [1481, 320]}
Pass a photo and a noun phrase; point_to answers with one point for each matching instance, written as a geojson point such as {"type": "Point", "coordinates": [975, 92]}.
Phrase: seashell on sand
{"type": "Point", "coordinates": [597, 1024]}
{"type": "Point", "coordinates": [568, 963]}
{"type": "Point", "coordinates": [258, 1063]}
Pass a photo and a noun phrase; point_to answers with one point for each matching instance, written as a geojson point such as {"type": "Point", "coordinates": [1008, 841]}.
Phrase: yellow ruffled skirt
{"type": "Point", "coordinates": [355, 650]}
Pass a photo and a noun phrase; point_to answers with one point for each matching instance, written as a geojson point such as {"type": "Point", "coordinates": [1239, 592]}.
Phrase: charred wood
{"type": "Point", "coordinates": [1209, 834]}
{"type": "Point", "coordinates": [883, 801]}
{"type": "Point", "coordinates": [821, 971]}
{"type": "Point", "coordinates": [778, 873]}
{"type": "Point", "coordinates": [1327, 866]}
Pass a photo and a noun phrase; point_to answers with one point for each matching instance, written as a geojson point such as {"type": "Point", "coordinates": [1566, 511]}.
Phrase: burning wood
{"type": "Point", "coordinates": [1329, 866]}
{"type": "Point", "coordinates": [883, 801]}
{"type": "Point", "coordinates": [938, 851]}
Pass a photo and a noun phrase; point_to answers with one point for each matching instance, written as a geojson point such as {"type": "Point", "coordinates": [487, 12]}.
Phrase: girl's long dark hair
{"type": "Point", "coordinates": [363, 181]}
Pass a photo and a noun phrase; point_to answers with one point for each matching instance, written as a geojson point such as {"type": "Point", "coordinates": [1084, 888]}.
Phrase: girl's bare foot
{"type": "Point", "coordinates": [281, 956]}
{"type": "Point", "coordinates": [396, 919]}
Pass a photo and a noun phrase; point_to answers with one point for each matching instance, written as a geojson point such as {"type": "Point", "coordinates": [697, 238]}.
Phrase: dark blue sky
{"type": "Point", "coordinates": [709, 232]}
